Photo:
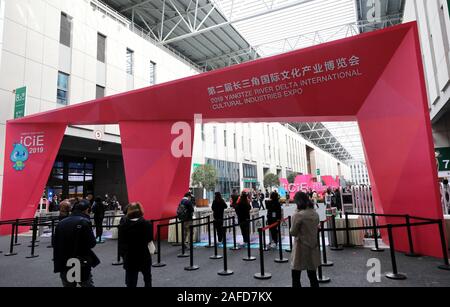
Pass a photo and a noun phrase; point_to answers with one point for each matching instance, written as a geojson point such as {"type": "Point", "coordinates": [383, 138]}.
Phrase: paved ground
{"type": "Point", "coordinates": [349, 269]}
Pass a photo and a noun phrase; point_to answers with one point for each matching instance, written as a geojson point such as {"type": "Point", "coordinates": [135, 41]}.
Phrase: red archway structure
{"type": "Point", "coordinates": [375, 79]}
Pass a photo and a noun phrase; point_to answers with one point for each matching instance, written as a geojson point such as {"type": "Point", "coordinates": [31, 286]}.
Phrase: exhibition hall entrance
{"type": "Point", "coordinates": [86, 166]}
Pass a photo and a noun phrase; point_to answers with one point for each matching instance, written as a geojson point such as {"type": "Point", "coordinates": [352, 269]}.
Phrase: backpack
{"type": "Point", "coordinates": [182, 211]}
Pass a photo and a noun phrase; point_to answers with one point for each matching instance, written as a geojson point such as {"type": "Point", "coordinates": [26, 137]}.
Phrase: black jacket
{"type": "Point", "coordinates": [98, 208]}
{"type": "Point", "coordinates": [243, 210]}
{"type": "Point", "coordinates": [73, 239]}
{"type": "Point", "coordinates": [218, 208]}
{"type": "Point", "coordinates": [273, 210]}
{"type": "Point", "coordinates": [134, 237]}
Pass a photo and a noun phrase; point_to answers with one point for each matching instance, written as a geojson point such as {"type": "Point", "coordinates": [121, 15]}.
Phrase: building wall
{"type": "Point", "coordinates": [433, 18]}
{"type": "Point", "coordinates": [359, 173]}
{"type": "Point", "coordinates": [272, 147]}
{"type": "Point", "coordinates": [31, 55]}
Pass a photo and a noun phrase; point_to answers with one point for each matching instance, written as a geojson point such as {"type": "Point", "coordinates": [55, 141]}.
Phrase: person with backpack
{"type": "Point", "coordinates": [184, 213]}
{"type": "Point", "coordinates": [445, 196]}
{"type": "Point", "coordinates": [74, 240]}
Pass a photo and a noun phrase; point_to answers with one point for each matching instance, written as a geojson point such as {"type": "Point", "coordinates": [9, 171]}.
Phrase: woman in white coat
{"type": "Point", "coordinates": [306, 251]}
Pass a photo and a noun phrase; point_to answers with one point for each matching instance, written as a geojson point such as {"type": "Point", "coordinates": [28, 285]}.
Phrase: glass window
{"type": "Point", "coordinates": [65, 30]}
{"type": "Point", "coordinates": [130, 61]}
{"type": "Point", "coordinates": [101, 48]}
{"type": "Point", "coordinates": [63, 89]}
{"type": "Point", "coordinates": [152, 73]}
{"type": "Point", "coordinates": [99, 92]}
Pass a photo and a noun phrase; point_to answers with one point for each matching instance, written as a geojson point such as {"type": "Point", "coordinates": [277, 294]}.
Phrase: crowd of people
{"type": "Point", "coordinates": [74, 237]}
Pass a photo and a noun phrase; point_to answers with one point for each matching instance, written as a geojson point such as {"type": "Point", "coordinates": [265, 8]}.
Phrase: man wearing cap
{"type": "Point", "coordinates": [72, 247]}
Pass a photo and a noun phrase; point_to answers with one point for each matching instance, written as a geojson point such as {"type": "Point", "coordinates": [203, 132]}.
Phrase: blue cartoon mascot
{"type": "Point", "coordinates": [19, 155]}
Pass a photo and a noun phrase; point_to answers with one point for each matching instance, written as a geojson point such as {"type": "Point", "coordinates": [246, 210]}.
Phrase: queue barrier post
{"type": "Point", "coordinates": [177, 235]}
{"type": "Point", "coordinates": [446, 265]}
{"type": "Point", "coordinates": [183, 244]}
{"type": "Point", "coordinates": [347, 232]}
{"type": "Point", "coordinates": [16, 239]}
{"type": "Point", "coordinates": [208, 219]}
{"type": "Point", "coordinates": [281, 259]}
{"type": "Point", "coordinates": [335, 246]}
{"type": "Point", "coordinates": [325, 261]}
{"type": "Point", "coordinates": [192, 266]}
{"type": "Point", "coordinates": [375, 234]}
{"type": "Point", "coordinates": [216, 255]}
{"type": "Point", "coordinates": [33, 239]}
{"type": "Point", "coordinates": [262, 275]}
{"type": "Point", "coordinates": [11, 245]}
{"type": "Point", "coordinates": [289, 250]}
{"type": "Point", "coordinates": [249, 250]}
{"type": "Point", "coordinates": [226, 271]}
{"type": "Point", "coordinates": [159, 264]}
{"type": "Point", "coordinates": [235, 246]}
{"type": "Point", "coordinates": [118, 258]}
{"type": "Point", "coordinates": [394, 274]}
{"type": "Point", "coordinates": [265, 247]}
{"type": "Point", "coordinates": [320, 277]}
{"type": "Point", "coordinates": [410, 239]}
{"type": "Point", "coordinates": [53, 234]}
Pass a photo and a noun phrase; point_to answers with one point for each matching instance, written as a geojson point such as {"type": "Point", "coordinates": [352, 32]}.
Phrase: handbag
{"type": "Point", "coordinates": [151, 248]}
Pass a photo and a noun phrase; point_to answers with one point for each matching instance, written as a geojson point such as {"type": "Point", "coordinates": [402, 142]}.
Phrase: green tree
{"type": "Point", "coordinates": [271, 180]}
{"type": "Point", "coordinates": [291, 177]}
{"type": "Point", "coordinates": [205, 176]}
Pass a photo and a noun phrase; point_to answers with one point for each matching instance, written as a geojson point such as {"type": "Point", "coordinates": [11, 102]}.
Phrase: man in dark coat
{"type": "Point", "coordinates": [243, 213]}
{"type": "Point", "coordinates": [98, 208]}
{"type": "Point", "coordinates": [74, 240]}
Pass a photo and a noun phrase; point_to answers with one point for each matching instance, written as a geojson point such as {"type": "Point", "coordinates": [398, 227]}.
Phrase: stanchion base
{"type": "Point", "coordinates": [445, 267]}
{"type": "Point", "coordinates": [348, 245]}
{"type": "Point", "coordinates": [327, 264]}
{"type": "Point", "coordinates": [158, 265]}
{"type": "Point", "coordinates": [31, 257]}
{"type": "Point", "coordinates": [183, 255]}
{"type": "Point", "coordinates": [266, 249]}
{"type": "Point", "coordinates": [283, 260]}
{"type": "Point", "coordinates": [10, 254]}
{"type": "Point", "coordinates": [17, 244]}
{"type": "Point", "coordinates": [413, 255]}
{"type": "Point", "coordinates": [235, 248]}
{"type": "Point", "coordinates": [49, 246]}
{"type": "Point", "coordinates": [378, 250]}
{"type": "Point", "coordinates": [324, 280]}
{"type": "Point", "coordinates": [191, 268]}
{"type": "Point", "coordinates": [398, 276]}
{"type": "Point", "coordinates": [263, 277]}
{"type": "Point", "coordinates": [251, 258]}
{"type": "Point", "coordinates": [209, 246]}
{"type": "Point", "coordinates": [288, 250]}
{"type": "Point", "coordinates": [176, 244]}
{"type": "Point", "coordinates": [339, 248]}
{"type": "Point", "coordinates": [225, 273]}
{"type": "Point", "coordinates": [216, 257]}
{"type": "Point", "coordinates": [117, 263]}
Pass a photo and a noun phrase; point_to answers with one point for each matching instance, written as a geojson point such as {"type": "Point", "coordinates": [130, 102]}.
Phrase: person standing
{"type": "Point", "coordinates": [184, 213]}
{"type": "Point", "coordinates": [261, 200]}
{"type": "Point", "coordinates": [445, 196]}
{"type": "Point", "coordinates": [74, 240]}
{"type": "Point", "coordinates": [54, 204]}
{"type": "Point", "coordinates": [64, 209]}
{"type": "Point", "coordinates": [306, 250]}
{"type": "Point", "coordinates": [243, 213]}
{"type": "Point", "coordinates": [273, 216]}
{"type": "Point", "coordinates": [234, 199]}
{"type": "Point", "coordinates": [98, 208]}
{"type": "Point", "coordinates": [135, 233]}
{"type": "Point", "coordinates": [218, 208]}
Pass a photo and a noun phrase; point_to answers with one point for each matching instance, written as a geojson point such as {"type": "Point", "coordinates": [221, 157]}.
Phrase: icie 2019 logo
{"type": "Point", "coordinates": [30, 143]}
